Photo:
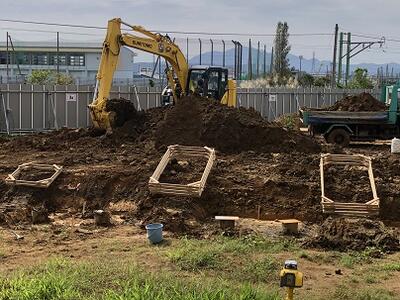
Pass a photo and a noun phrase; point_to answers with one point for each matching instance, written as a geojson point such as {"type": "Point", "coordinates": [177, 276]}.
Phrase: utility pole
{"type": "Point", "coordinates": [250, 66]}
{"type": "Point", "coordinates": [240, 60]}
{"type": "Point", "coordinates": [258, 59]}
{"type": "Point", "coordinates": [58, 54]}
{"type": "Point", "coordinates": [265, 61]}
{"type": "Point", "coordinates": [212, 52]}
{"type": "Point", "coordinates": [7, 58]}
{"type": "Point", "coordinates": [339, 77]}
{"type": "Point", "coordinates": [272, 61]}
{"type": "Point", "coordinates": [187, 49]}
{"type": "Point", "coordinates": [360, 46]}
{"type": "Point", "coordinates": [313, 63]}
{"type": "Point", "coordinates": [235, 60]}
{"type": "Point", "coordinates": [223, 53]}
{"type": "Point", "coordinates": [348, 58]}
{"type": "Point", "coordinates": [200, 49]}
{"type": "Point", "coordinates": [300, 58]}
{"type": "Point", "coordinates": [334, 55]}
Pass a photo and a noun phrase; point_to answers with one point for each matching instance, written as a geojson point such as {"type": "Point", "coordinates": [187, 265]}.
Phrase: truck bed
{"type": "Point", "coordinates": [310, 117]}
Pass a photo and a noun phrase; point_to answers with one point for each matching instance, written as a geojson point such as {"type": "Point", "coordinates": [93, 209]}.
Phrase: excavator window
{"type": "Point", "coordinates": [213, 84]}
{"type": "Point", "coordinates": [195, 80]}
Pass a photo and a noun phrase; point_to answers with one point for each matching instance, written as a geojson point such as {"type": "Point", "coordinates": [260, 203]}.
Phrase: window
{"type": "Point", "coordinates": [76, 59]}
{"type": "Point", "coordinates": [40, 59]}
{"type": "Point", "coordinates": [62, 58]}
{"type": "Point", "coordinates": [3, 59]}
{"type": "Point", "coordinates": [3, 55]}
{"type": "Point", "coordinates": [22, 58]}
{"type": "Point", "coordinates": [213, 81]}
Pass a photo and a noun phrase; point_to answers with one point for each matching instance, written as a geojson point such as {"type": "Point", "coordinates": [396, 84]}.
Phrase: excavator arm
{"type": "Point", "coordinates": [152, 43]}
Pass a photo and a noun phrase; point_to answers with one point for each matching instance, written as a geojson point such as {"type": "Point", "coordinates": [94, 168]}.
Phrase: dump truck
{"type": "Point", "coordinates": [342, 127]}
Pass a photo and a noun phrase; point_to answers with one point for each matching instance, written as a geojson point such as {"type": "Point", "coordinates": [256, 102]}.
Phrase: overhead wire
{"type": "Point", "coordinates": [168, 31]}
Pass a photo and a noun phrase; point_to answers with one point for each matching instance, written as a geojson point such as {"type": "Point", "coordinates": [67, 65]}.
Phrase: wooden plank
{"type": "Point", "coordinates": [177, 151]}
{"type": "Point", "coordinates": [321, 170]}
{"type": "Point", "coordinates": [226, 218]}
{"type": "Point", "coordinates": [43, 183]}
{"type": "Point", "coordinates": [329, 206]}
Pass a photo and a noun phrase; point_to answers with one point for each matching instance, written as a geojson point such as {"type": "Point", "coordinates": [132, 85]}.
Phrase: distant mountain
{"type": "Point", "coordinates": [307, 65]}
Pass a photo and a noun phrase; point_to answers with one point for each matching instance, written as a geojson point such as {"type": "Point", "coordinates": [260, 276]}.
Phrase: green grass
{"type": "Point", "coordinates": [220, 268]}
{"type": "Point", "coordinates": [320, 258]}
{"type": "Point", "coordinates": [265, 269]}
{"type": "Point", "coordinates": [395, 266]}
{"type": "Point", "coordinates": [351, 259]}
{"type": "Point", "coordinates": [64, 280]}
{"type": "Point", "coordinates": [221, 253]}
{"type": "Point", "coordinates": [348, 293]}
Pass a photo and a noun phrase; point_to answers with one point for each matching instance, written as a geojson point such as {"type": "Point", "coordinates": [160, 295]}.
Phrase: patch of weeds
{"type": "Point", "coordinates": [192, 256]}
{"type": "Point", "coordinates": [50, 284]}
{"type": "Point", "coordinates": [272, 245]}
{"type": "Point", "coordinates": [173, 289]}
{"type": "Point", "coordinates": [370, 279]}
{"type": "Point", "coordinates": [349, 260]}
{"type": "Point", "coordinates": [395, 266]}
{"type": "Point", "coordinates": [259, 270]}
{"type": "Point", "coordinates": [347, 293]}
{"type": "Point", "coordinates": [319, 258]}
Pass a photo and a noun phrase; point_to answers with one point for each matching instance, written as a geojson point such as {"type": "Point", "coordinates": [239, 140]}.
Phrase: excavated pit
{"type": "Point", "coordinates": [260, 167]}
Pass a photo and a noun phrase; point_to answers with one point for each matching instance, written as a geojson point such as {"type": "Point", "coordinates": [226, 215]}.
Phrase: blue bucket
{"type": "Point", "coordinates": [154, 233]}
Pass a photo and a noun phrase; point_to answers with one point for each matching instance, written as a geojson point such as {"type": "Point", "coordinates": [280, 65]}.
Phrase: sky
{"type": "Point", "coordinates": [361, 17]}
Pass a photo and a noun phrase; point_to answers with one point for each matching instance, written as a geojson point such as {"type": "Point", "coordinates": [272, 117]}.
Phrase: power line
{"type": "Point", "coordinates": [167, 31]}
{"type": "Point", "coordinates": [49, 31]}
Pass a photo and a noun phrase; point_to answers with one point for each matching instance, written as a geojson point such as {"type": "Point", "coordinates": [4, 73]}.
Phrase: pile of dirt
{"type": "Point", "coordinates": [361, 102]}
{"type": "Point", "coordinates": [197, 121]}
{"type": "Point", "coordinates": [354, 234]}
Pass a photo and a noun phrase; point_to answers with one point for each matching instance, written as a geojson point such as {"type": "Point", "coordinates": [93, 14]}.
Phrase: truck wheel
{"type": "Point", "coordinates": [339, 137]}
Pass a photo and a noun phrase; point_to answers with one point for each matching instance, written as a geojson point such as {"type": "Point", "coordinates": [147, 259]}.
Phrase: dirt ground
{"type": "Point", "coordinates": [261, 171]}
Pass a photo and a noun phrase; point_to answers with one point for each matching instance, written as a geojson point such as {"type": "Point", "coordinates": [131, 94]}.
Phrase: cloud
{"type": "Point", "coordinates": [303, 16]}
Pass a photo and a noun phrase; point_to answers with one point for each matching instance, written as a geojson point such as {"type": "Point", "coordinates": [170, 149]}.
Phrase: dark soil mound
{"type": "Point", "coordinates": [347, 184]}
{"type": "Point", "coordinates": [197, 121]}
{"type": "Point", "coordinates": [354, 234]}
{"type": "Point", "coordinates": [121, 110]}
{"type": "Point", "coordinates": [361, 102]}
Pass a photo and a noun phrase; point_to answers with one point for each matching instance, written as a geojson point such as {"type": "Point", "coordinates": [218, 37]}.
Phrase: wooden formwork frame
{"type": "Point", "coordinates": [12, 178]}
{"type": "Point", "coordinates": [191, 189]}
{"type": "Point", "coordinates": [370, 208]}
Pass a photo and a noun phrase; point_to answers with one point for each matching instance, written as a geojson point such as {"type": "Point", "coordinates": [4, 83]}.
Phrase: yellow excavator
{"type": "Point", "coordinates": [206, 81]}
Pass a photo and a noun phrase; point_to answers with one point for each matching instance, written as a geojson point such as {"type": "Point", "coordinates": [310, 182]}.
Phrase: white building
{"type": "Point", "coordinates": [79, 59]}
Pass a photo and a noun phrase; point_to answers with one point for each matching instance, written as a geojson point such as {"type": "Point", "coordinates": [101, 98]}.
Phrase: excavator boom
{"type": "Point", "coordinates": [213, 83]}
{"type": "Point", "coordinates": [153, 43]}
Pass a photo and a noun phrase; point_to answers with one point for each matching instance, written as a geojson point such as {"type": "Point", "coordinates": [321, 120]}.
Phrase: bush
{"type": "Point", "coordinates": [49, 77]}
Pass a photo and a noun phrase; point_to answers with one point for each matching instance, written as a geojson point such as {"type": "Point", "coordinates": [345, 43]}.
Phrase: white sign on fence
{"type": "Point", "coordinates": [71, 97]}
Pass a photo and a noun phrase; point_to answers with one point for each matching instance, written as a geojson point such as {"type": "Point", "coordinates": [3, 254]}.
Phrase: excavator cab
{"type": "Point", "coordinates": [207, 81]}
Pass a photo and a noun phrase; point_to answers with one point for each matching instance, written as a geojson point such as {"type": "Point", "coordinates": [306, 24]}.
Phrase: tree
{"type": "Point", "coordinates": [306, 80]}
{"type": "Point", "coordinates": [49, 77]}
{"type": "Point", "coordinates": [360, 80]}
{"type": "Point", "coordinates": [282, 48]}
